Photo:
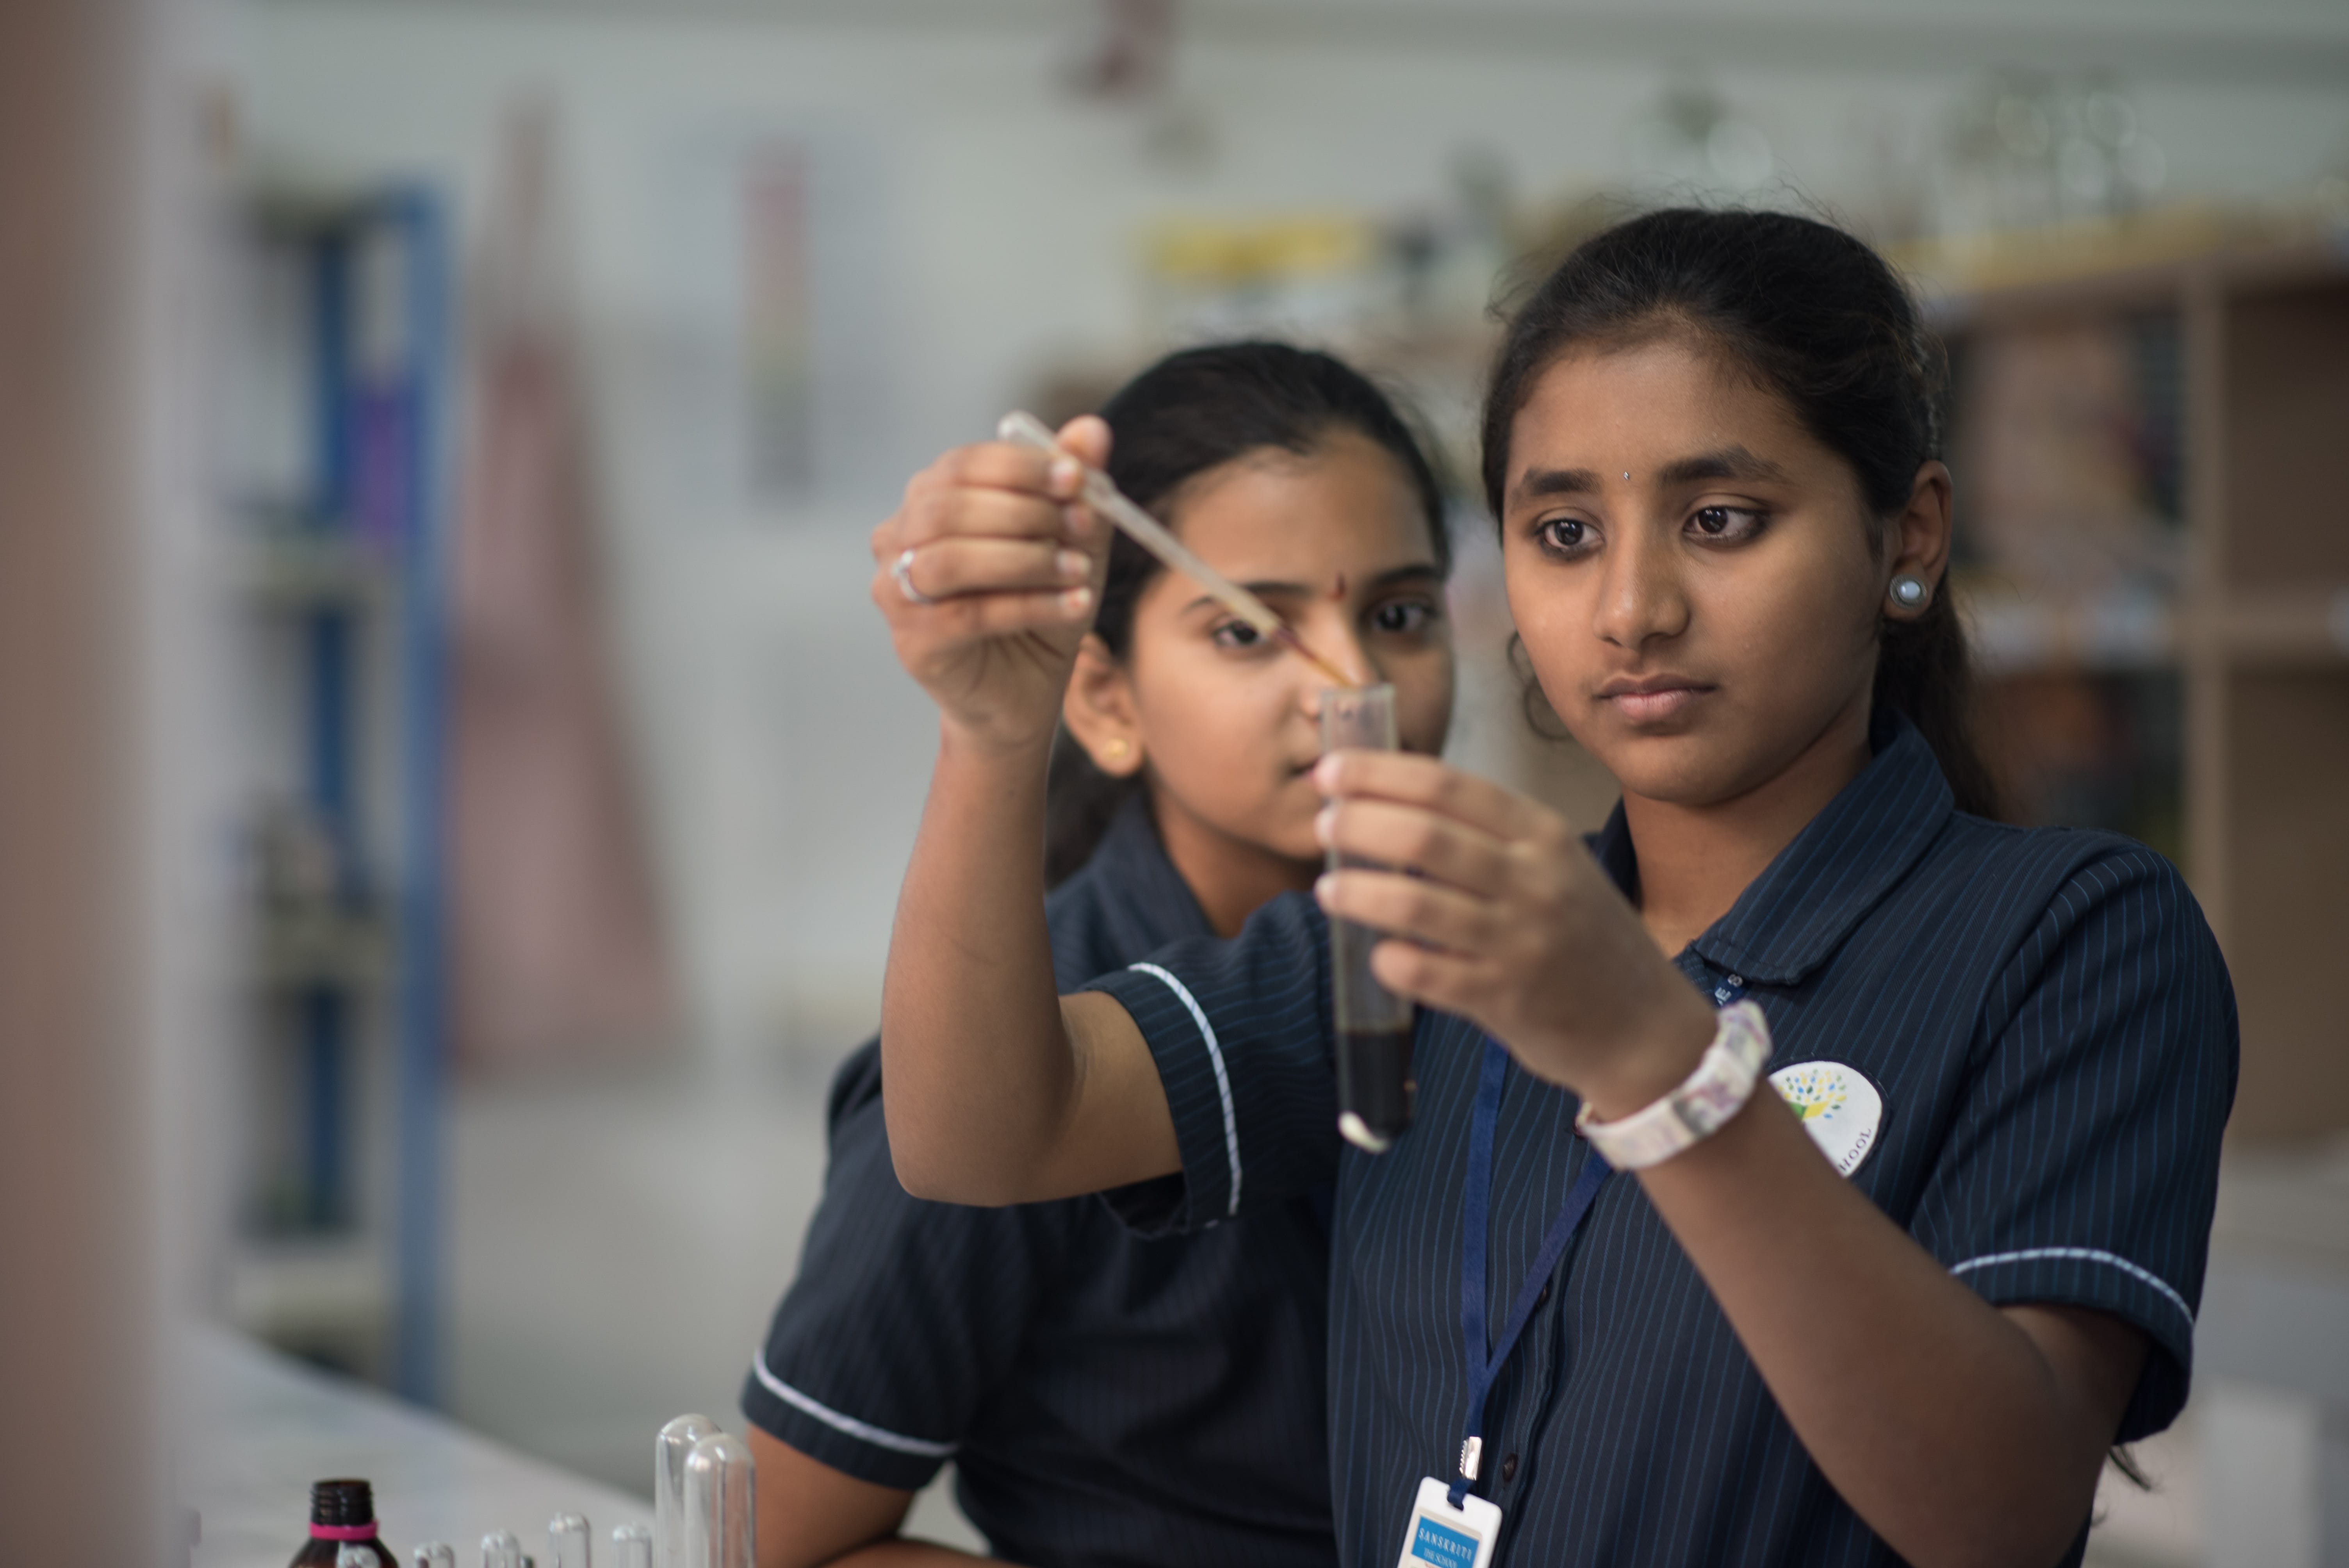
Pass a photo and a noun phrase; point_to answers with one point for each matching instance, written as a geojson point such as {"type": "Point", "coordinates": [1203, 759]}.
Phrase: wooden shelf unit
{"type": "Point", "coordinates": [2256, 630]}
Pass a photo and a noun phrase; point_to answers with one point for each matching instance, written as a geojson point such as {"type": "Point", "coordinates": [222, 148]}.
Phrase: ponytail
{"type": "Point", "coordinates": [1924, 672]}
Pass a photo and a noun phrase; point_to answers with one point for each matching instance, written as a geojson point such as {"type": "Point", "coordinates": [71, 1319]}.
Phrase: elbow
{"type": "Point", "coordinates": [941, 1183]}
{"type": "Point", "coordinates": [936, 1176]}
{"type": "Point", "coordinates": [920, 1178]}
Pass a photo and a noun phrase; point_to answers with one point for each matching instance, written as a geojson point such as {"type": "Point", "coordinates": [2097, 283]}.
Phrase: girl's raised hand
{"type": "Point", "coordinates": [1510, 924]}
{"type": "Point", "coordinates": [987, 573]}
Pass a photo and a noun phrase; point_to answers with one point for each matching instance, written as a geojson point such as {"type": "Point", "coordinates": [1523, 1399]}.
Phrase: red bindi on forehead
{"type": "Point", "coordinates": [1338, 591]}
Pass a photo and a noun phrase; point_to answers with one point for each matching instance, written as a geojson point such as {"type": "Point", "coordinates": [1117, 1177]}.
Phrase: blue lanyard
{"type": "Point", "coordinates": [1475, 1237]}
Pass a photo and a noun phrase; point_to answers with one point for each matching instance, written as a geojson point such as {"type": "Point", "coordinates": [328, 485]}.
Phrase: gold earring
{"type": "Point", "coordinates": [1119, 749]}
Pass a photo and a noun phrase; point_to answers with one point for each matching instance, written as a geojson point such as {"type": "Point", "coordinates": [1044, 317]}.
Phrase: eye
{"type": "Point", "coordinates": [1726, 524]}
{"type": "Point", "coordinates": [1403, 618]}
{"type": "Point", "coordinates": [1235, 634]}
{"type": "Point", "coordinates": [1564, 536]}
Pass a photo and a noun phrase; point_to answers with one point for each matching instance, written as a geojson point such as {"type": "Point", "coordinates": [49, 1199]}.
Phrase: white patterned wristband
{"type": "Point", "coordinates": [1704, 1103]}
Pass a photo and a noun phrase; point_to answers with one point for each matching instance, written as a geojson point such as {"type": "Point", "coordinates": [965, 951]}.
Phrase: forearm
{"type": "Point", "coordinates": [1938, 1417]}
{"type": "Point", "coordinates": [977, 1068]}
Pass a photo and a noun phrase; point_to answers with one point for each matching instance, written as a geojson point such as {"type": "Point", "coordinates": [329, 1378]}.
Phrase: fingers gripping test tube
{"type": "Point", "coordinates": [718, 1504]}
{"type": "Point", "coordinates": [1376, 1091]}
{"type": "Point", "coordinates": [669, 1452]}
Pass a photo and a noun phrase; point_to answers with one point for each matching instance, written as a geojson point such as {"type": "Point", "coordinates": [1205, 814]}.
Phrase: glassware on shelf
{"type": "Point", "coordinates": [718, 1504]}
{"type": "Point", "coordinates": [632, 1546]}
{"type": "Point", "coordinates": [567, 1541]}
{"type": "Point", "coordinates": [669, 1450]}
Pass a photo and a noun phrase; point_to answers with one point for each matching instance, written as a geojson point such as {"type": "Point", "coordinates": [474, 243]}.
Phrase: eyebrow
{"type": "Point", "coordinates": [1730, 462]}
{"type": "Point", "coordinates": [1557, 481]}
{"type": "Point", "coordinates": [1417, 572]}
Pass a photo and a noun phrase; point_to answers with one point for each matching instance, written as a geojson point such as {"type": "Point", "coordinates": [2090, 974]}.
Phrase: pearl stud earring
{"type": "Point", "coordinates": [1911, 591]}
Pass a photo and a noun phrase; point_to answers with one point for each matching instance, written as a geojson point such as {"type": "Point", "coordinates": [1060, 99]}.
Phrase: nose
{"type": "Point", "coordinates": [1337, 639]}
{"type": "Point", "coordinates": [1640, 596]}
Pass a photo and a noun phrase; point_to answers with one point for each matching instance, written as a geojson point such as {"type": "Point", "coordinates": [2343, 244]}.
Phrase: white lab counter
{"type": "Point", "coordinates": [257, 1428]}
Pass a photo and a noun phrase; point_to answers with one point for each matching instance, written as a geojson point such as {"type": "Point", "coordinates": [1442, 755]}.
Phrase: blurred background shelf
{"type": "Point", "coordinates": [336, 491]}
{"type": "Point", "coordinates": [302, 562]}
{"type": "Point", "coordinates": [2160, 597]}
{"type": "Point", "coordinates": [311, 1296]}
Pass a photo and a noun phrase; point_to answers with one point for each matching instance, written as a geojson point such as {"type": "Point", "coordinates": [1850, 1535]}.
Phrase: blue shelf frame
{"type": "Point", "coordinates": [411, 524]}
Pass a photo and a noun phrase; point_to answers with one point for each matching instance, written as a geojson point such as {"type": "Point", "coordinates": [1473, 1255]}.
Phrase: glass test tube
{"type": "Point", "coordinates": [567, 1541]}
{"type": "Point", "coordinates": [1376, 1091]}
{"type": "Point", "coordinates": [669, 1450]}
{"type": "Point", "coordinates": [434, 1554]}
{"type": "Point", "coordinates": [499, 1548]}
{"type": "Point", "coordinates": [718, 1504]}
{"type": "Point", "coordinates": [632, 1546]}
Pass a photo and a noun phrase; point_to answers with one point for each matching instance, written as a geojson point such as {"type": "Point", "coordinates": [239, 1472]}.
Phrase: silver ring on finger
{"type": "Point", "coordinates": [903, 571]}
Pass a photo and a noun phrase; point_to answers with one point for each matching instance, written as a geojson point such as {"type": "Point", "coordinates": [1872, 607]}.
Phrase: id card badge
{"type": "Point", "coordinates": [1442, 1536]}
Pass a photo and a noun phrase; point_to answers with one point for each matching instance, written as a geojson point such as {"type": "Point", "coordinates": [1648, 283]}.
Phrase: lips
{"type": "Point", "coordinates": [1654, 698]}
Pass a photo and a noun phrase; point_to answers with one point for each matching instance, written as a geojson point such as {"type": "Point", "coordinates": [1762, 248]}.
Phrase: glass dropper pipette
{"type": "Point", "coordinates": [1146, 530]}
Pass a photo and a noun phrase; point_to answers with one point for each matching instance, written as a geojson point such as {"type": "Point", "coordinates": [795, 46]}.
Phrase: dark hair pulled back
{"type": "Point", "coordinates": [1192, 412]}
{"type": "Point", "coordinates": [1822, 321]}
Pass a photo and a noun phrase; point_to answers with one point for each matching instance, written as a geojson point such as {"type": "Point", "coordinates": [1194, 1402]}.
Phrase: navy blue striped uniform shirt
{"type": "Point", "coordinates": [1106, 1399]}
{"type": "Point", "coordinates": [2051, 1030]}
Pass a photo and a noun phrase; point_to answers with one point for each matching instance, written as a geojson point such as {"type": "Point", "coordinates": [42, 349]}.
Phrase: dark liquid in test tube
{"type": "Point", "coordinates": [1373, 1025]}
{"type": "Point", "coordinates": [1374, 1079]}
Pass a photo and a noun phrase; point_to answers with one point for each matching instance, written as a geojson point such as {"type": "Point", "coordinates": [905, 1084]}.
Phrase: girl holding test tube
{"type": "Point", "coordinates": [1109, 1400]}
{"type": "Point", "coordinates": [1808, 1169]}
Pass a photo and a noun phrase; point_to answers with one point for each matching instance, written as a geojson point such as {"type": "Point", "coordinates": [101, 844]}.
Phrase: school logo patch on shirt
{"type": "Point", "coordinates": [1840, 1109]}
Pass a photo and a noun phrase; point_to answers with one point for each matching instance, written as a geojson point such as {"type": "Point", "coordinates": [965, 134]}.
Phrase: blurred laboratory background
{"type": "Point", "coordinates": [500, 781]}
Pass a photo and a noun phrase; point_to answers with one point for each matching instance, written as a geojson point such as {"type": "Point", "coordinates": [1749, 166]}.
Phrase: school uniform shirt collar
{"type": "Point", "coordinates": [1154, 907]}
{"type": "Point", "coordinates": [1792, 916]}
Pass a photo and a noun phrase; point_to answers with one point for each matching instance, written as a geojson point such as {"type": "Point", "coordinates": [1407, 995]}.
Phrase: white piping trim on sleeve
{"type": "Point", "coordinates": [2086, 1255]}
{"type": "Point", "coordinates": [863, 1431]}
{"type": "Point", "coordinates": [1223, 1081]}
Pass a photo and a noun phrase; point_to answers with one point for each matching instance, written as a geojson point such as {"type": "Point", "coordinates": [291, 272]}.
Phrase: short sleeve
{"type": "Point", "coordinates": [905, 1316]}
{"type": "Point", "coordinates": [1237, 1031]}
{"type": "Point", "coordinates": [2081, 1168]}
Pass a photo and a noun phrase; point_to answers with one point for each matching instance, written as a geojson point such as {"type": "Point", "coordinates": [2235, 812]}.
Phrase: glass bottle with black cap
{"type": "Point", "coordinates": [342, 1513]}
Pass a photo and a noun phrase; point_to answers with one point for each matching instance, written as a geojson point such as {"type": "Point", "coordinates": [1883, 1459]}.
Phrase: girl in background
{"type": "Point", "coordinates": [1108, 1400]}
